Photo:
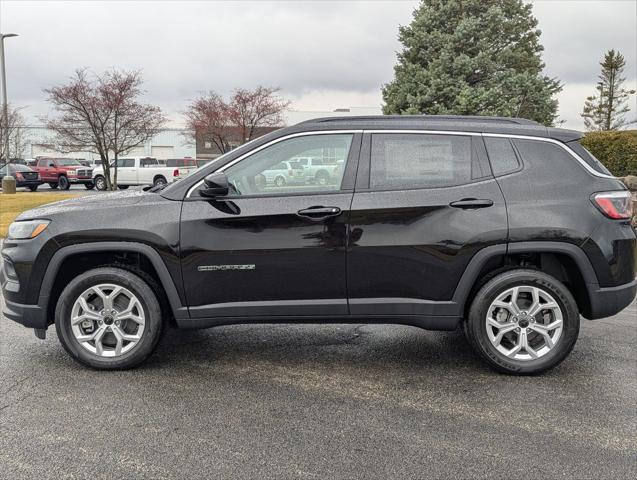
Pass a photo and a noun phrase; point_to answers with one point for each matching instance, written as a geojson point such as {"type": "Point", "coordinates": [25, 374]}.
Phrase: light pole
{"type": "Point", "coordinates": [5, 105]}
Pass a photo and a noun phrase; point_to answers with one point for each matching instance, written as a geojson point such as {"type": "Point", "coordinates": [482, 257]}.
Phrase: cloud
{"type": "Point", "coordinates": [323, 54]}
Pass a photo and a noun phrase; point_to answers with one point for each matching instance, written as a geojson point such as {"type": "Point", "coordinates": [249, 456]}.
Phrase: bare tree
{"type": "Point", "coordinates": [17, 135]}
{"type": "Point", "coordinates": [103, 115]}
{"type": "Point", "coordinates": [251, 109]}
{"type": "Point", "coordinates": [208, 119]}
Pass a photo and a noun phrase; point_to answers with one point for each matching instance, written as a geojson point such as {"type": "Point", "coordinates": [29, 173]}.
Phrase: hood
{"type": "Point", "coordinates": [87, 203]}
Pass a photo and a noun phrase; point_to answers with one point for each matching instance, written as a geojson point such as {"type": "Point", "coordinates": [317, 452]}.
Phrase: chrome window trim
{"type": "Point", "coordinates": [581, 161]}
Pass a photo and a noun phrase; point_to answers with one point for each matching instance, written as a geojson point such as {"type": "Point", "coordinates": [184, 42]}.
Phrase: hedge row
{"type": "Point", "coordinates": [616, 150]}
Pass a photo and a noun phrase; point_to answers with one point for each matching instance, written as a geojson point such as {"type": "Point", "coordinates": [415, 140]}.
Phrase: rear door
{"type": "Point", "coordinates": [424, 205]}
{"type": "Point", "coordinates": [126, 171]}
{"type": "Point", "coordinates": [270, 249]}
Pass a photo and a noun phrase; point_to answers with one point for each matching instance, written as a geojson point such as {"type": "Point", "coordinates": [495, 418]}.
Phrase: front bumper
{"type": "Point", "coordinates": [609, 301]}
{"type": "Point", "coordinates": [32, 316]}
{"type": "Point", "coordinates": [82, 180]}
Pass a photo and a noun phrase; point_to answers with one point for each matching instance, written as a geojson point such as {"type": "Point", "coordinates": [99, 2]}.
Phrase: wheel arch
{"type": "Point", "coordinates": [567, 262]}
{"type": "Point", "coordinates": [49, 287]}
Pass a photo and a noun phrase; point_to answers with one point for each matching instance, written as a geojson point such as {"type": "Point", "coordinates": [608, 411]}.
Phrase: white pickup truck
{"type": "Point", "coordinates": [140, 171]}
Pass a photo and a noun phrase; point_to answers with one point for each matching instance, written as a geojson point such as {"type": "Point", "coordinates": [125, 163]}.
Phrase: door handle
{"type": "Point", "coordinates": [469, 203]}
{"type": "Point", "coordinates": [319, 213]}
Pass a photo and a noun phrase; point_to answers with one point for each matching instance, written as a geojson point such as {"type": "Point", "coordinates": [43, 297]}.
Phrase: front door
{"type": "Point", "coordinates": [271, 248]}
{"type": "Point", "coordinates": [424, 205]}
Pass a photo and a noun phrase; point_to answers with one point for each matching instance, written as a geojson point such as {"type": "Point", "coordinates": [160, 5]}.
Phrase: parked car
{"type": "Point", "coordinates": [64, 172]}
{"type": "Point", "coordinates": [318, 170]}
{"type": "Point", "coordinates": [185, 165]}
{"type": "Point", "coordinates": [138, 171]}
{"type": "Point", "coordinates": [504, 227]}
{"type": "Point", "coordinates": [281, 174]}
{"type": "Point", "coordinates": [24, 175]}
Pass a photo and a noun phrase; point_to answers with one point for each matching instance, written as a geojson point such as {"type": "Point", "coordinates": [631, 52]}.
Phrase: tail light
{"type": "Point", "coordinates": [616, 205]}
{"type": "Point", "coordinates": [176, 172]}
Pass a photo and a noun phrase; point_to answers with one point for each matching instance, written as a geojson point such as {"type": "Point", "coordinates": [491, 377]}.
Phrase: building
{"type": "Point", "coordinates": [169, 143]}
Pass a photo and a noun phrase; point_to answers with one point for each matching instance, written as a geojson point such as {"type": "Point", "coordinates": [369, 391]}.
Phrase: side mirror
{"type": "Point", "coordinates": [215, 185]}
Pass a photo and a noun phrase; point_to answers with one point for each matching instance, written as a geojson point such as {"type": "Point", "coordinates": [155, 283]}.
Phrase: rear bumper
{"type": "Point", "coordinates": [606, 302]}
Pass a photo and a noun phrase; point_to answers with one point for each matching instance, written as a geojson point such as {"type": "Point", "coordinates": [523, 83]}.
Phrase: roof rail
{"type": "Point", "coordinates": [427, 118]}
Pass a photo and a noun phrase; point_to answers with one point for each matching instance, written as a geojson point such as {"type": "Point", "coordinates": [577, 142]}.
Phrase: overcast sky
{"type": "Point", "coordinates": [324, 55]}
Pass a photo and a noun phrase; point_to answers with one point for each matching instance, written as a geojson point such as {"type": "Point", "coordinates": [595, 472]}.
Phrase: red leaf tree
{"type": "Point", "coordinates": [103, 115]}
{"type": "Point", "coordinates": [227, 123]}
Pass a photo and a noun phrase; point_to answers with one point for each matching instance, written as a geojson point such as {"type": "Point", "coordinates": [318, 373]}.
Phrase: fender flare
{"type": "Point", "coordinates": [178, 309]}
{"type": "Point", "coordinates": [470, 275]}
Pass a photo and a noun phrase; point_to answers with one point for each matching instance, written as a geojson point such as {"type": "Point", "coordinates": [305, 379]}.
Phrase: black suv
{"type": "Point", "coordinates": [500, 226]}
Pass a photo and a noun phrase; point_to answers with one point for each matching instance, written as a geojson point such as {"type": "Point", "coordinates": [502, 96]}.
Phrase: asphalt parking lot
{"type": "Point", "coordinates": [323, 401]}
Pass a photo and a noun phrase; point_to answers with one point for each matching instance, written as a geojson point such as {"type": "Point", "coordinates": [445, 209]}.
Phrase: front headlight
{"type": "Point", "coordinates": [71, 172]}
{"type": "Point", "coordinates": [28, 229]}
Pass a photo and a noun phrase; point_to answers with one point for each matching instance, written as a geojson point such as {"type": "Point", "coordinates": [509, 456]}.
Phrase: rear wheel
{"type": "Point", "coordinates": [33, 188]}
{"type": "Point", "coordinates": [53, 185]}
{"type": "Point", "coordinates": [159, 181]}
{"type": "Point", "coordinates": [523, 322]}
{"type": "Point", "coordinates": [322, 177]}
{"type": "Point", "coordinates": [100, 183]}
{"type": "Point", "coordinates": [108, 318]}
{"type": "Point", "coordinates": [64, 183]}
{"type": "Point", "coordinates": [279, 181]}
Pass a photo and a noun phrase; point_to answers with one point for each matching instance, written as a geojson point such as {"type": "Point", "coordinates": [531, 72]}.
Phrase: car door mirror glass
{"type": "Point", "coordinates": [215, 185]}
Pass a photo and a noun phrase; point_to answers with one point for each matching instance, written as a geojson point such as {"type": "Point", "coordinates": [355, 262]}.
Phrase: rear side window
{"type": "Point", "coordinates": [589, 158]}
{"type": "Point", "coordinates": [501, 155]}
{"type": "Point", "coordinates": [404, 161]}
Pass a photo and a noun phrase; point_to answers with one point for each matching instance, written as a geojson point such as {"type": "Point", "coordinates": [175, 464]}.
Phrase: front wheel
{"type": "Point", "coordinates": [108, 318]}
{"type": "Point", "coordinates": [523, 322]}
{"type": "Point", "coordinates": [100, 183]}
{"type": "Point", "coordinates": [64, 183]}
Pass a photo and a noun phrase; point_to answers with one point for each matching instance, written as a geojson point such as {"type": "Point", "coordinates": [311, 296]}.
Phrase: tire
{"type": "Point", "coordinates": [158, 181]}
{"type": "Point", "coordinates": [146, 306]}
{"type": "Point", "coordinates": [89, 186]}
{"type": "Point", "coordinates": [322, 177]}
{"type": "Point", "coordinates": [53, 185]}
{"type": "Point", "coordinates": [64, 183]}
{"type": "Point", "coordinates": [33, 188]}
{"type": "Point", "coordinates": [484, 338]}
{"type": "Point", "coordinates": [122, 187]}
{"type": "Point", "coordinates": [279, 181]}
{"type": "Point", "coordinates": [100, 183]}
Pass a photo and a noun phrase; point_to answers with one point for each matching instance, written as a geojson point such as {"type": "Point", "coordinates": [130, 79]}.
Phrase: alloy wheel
{"type": "Point", "coordinates": [524, 323]}
{"type": "Point", "coordinates": [108, 320]}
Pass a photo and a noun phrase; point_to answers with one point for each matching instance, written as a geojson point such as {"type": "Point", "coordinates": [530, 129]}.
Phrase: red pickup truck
{"type": "Point", "coordinates": [62, 172]}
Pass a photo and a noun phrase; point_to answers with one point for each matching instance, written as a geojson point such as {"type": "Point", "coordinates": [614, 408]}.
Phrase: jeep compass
{"type": "Point", "coordinates": [505, 228]}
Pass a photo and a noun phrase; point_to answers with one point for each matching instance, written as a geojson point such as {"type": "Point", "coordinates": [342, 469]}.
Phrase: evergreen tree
{"type": "Point", "coordinates": [607, 110]}
{"type": "Point", "coordinates": [472, 57]}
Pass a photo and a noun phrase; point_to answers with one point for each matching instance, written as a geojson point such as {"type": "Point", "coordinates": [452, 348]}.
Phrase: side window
{"type": "Point", "coordinates": [276, 170]}
{"type": "Point", "coordinates": [404, 161]}
{"type": "Point", "coordinates": [501, 155]}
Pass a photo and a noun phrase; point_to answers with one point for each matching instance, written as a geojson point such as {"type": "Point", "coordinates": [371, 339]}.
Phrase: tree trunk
{"type": "Point", "coordinates": [114, 185]}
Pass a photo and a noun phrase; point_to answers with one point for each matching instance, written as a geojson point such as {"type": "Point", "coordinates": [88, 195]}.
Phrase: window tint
{"type": "Point", "coordinates": [148, 162]}
{"type": "Point", "coordinates": [125, 162]}
{"type": "Point", "coordinates": [589, 158]}
{"type": "Point", "coordinates": [44, 162]}
{"type": "Point", "coordinates": [277, 170]}
{"type": "Point", "coordinates": [419, 161]}
{"type": "Point", "coordinates": [502, 155]}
